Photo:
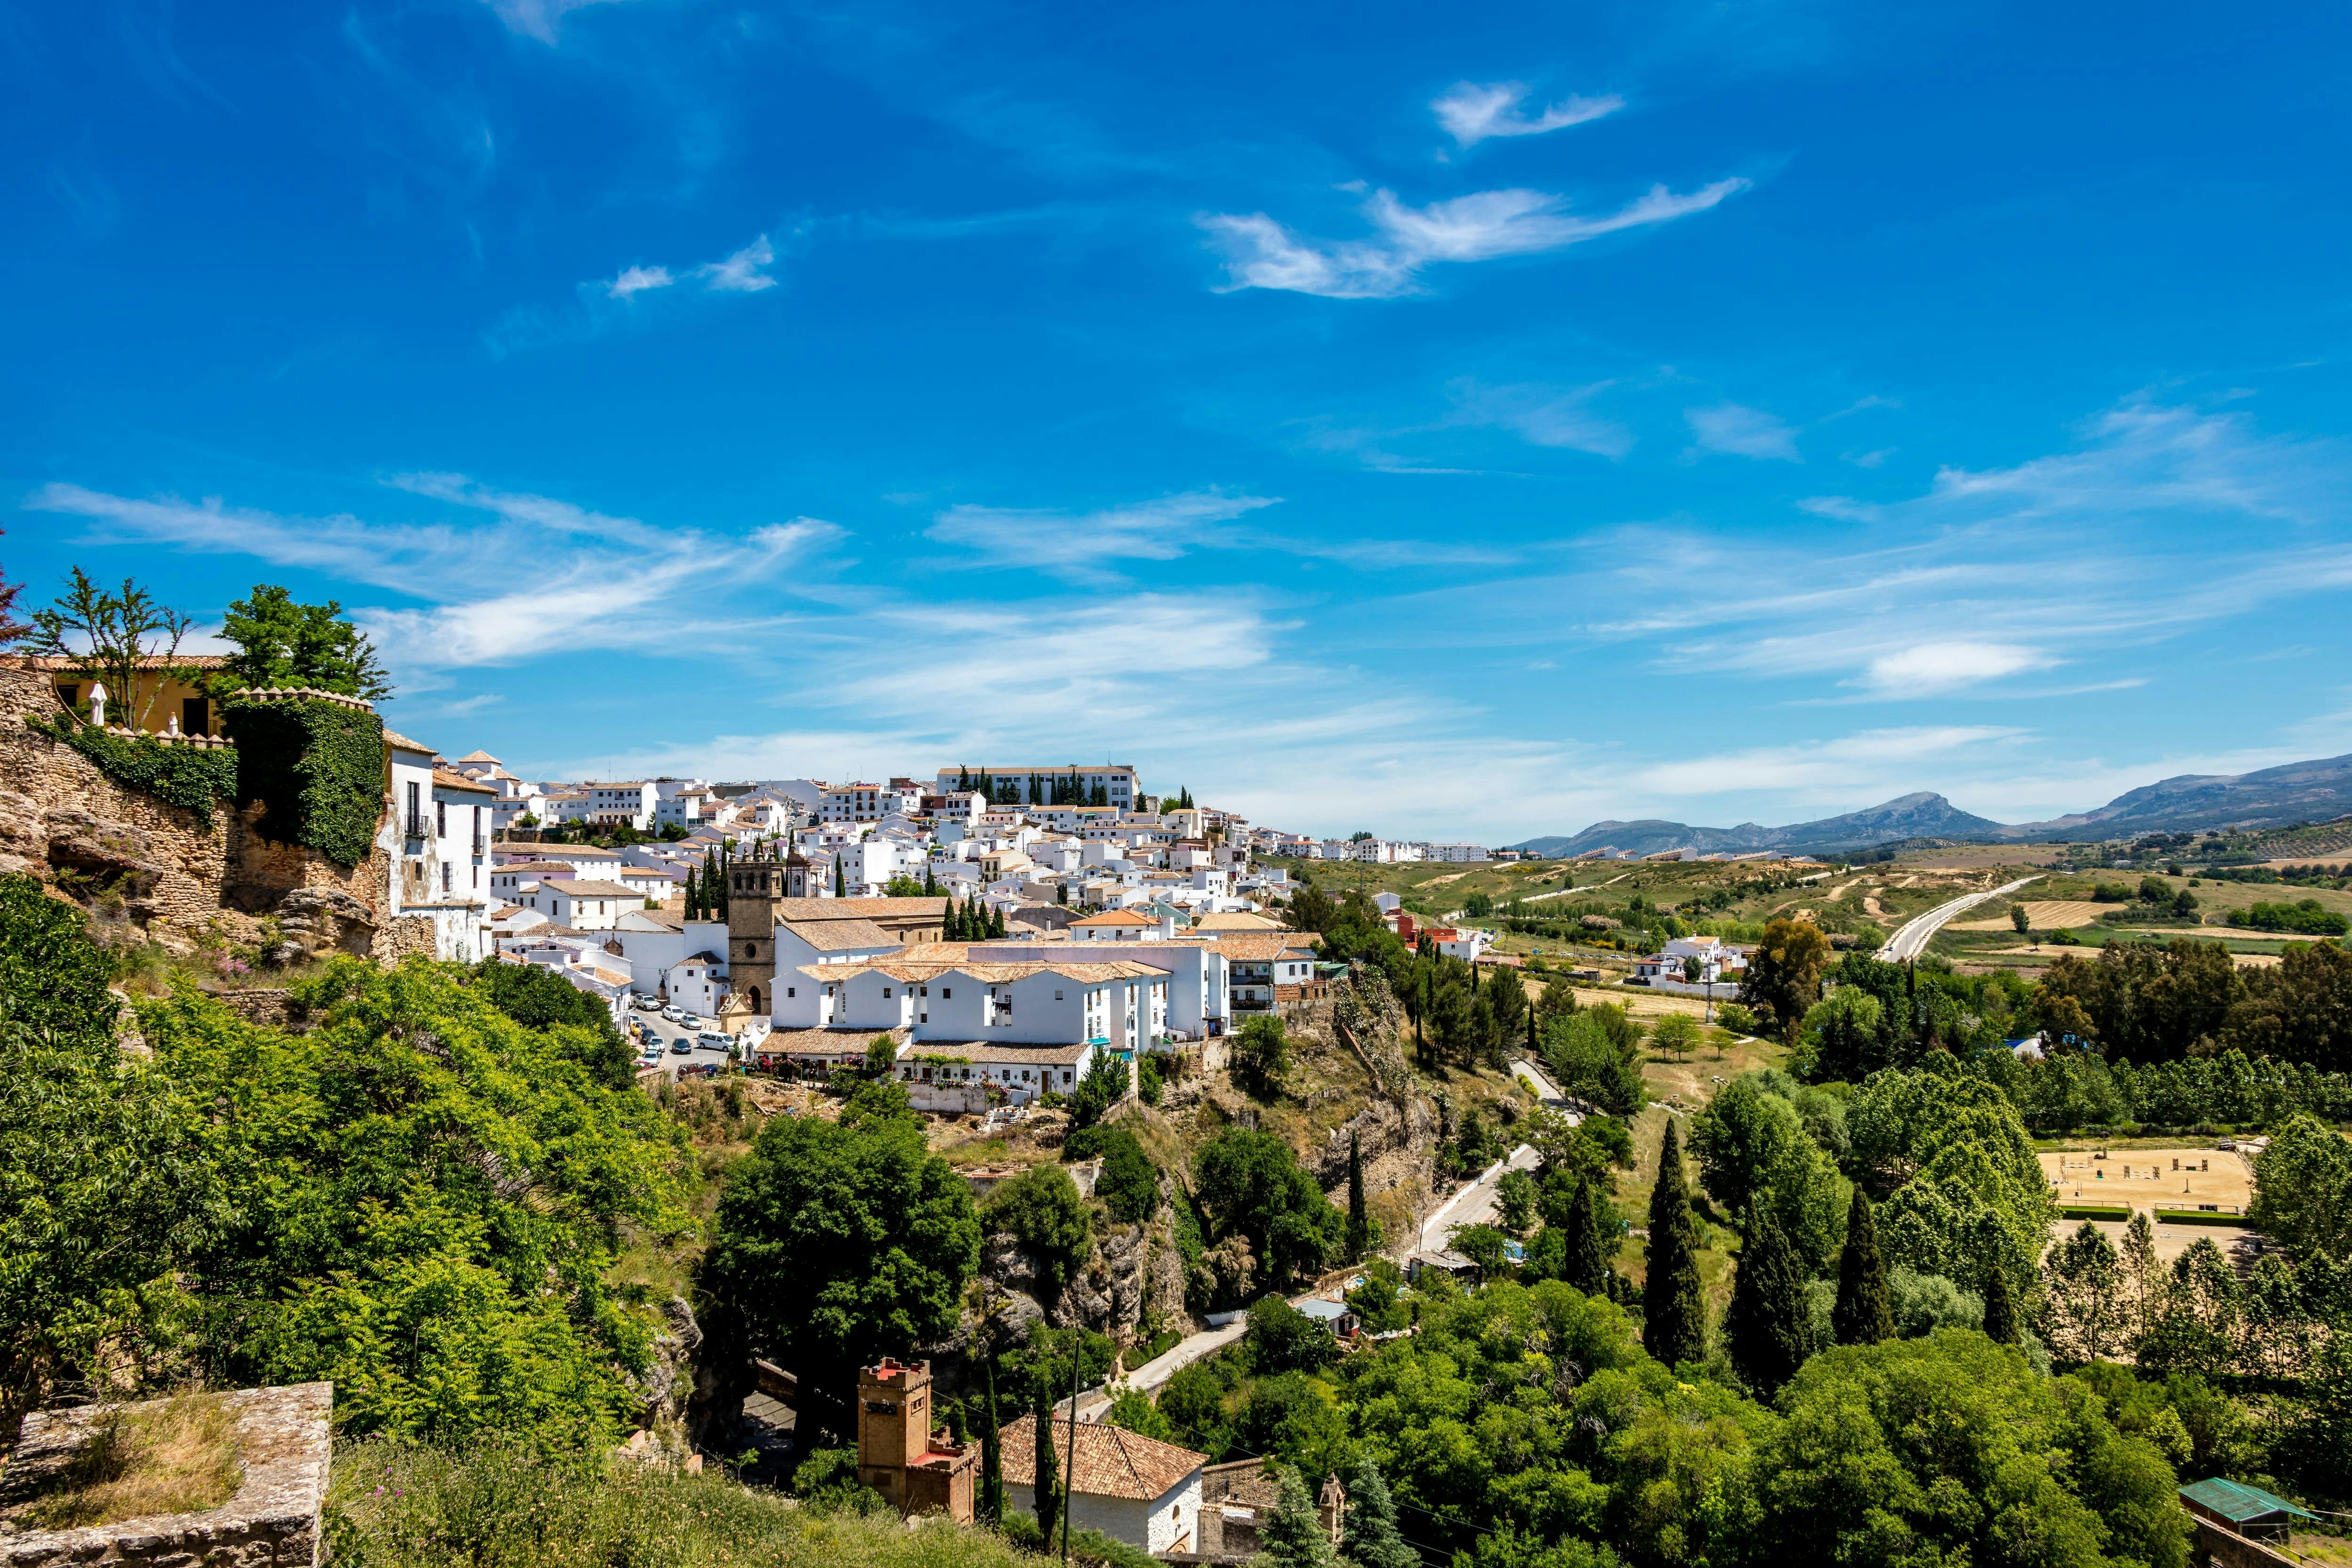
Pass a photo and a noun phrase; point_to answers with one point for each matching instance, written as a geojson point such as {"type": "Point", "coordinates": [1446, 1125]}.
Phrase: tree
{"type": "Point", "coordinates": [1753, 1147]}
{"type": "Point", "coordinates": [1360, 1220]}
{"type": "Point", "coordinates": [581, 1027]}
{"type": "Point", "coordinates": [1041, 1209]}
{"type": "Point", "coordinates": [1673, 1312]}
{"type": "Point", "coordinates": [1784, 973]}
{"type": "Point", "coordinates": [2020, 921]}
{"type": "Point", "coordinates": [1848, 1031]}
{"type": "Point", "coordinates": [2001, 1311]}
{"type": "Point", "coordinates": [1134, 1410]}
{"type": "Point", "coordinates": [840, 876]}
{"type": "Point", "coordinates": [1104, 1086]}
{"type": "Point", "coordinates": [1261, 1055]}
{"type": "Point", "coordinates": [2303, 1188]}
{"type": "Point", "coordinates": [1588, 1248]}
{"type": "Point", "coordinates": [1280, 1338]}
{"type": "Point", "coordinates": [1675, 1035]}
{"type": "Point", "coordinates": [881, 1056]}
{"type": "Point", "coordinates": [1128, 1184]}
{"type": "Point", "coordinates": [1249, 1185]}
{"type": "Point", "coordinates": [1969, 1186]}
{"type": "Point", "coordinates": [115, 636]}
{"type": "Point", "coordinates": [2081, 1299]}
{"type": "Point", "coordinates": [1293, 1535]}
{"type": "Point", "coordinates": [281, 642]}
{"type": "Point", "coordinates": [1047, 1488]}
{"type": "Point", "coordinates": [1515, 1201]}
{"type": "Point", "coordinates": [1595, 1053]}
{"type": "Point", "coordinates": [1369, 1537]}
{"type": "Point", "coordinates": [1861, 1316]}
{"type": "Point", "coordinates": [843, 1242]}
{"type": "Point", "coordinates": [1767, 1326]}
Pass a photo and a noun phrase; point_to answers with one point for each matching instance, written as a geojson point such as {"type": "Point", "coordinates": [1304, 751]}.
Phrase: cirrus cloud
{"type": "Point", "coordinates": [1473, 112]}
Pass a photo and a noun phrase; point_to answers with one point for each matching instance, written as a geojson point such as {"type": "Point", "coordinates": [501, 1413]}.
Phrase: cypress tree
{"type": "Point", "coordinates": [1673, 1313]}
{"type": "Point", "coordinates": [995, 922]}
{"type": "Point", "coordinates": [1048, 1489]}
{"type": "Point", "coordinates": [1370, 1538]}
{"type": "Point", "coordinates": [840, 877]}
{"type": "Point", "coordinates": [1862, 1316]}
{"type": "Point", "coordinates": [991, 1453]}
{"type": "Point", "coordinates": [1360, 1219]}
{"type": "Point", "coordinates": [1293, 1536]}
{"type": "Point", "coordinates": [1588, 1249]}
{"type": "Point", "coordinates": [693, 895]}
{"type": "Point", "coordinates": [930, 883]}
{"type": "Point", "coordinates": [1768, 1327]}
{"type": "Point", "coordinates": [963, 778]}
{"type": "Point", "coordinates": [2000, 1308]}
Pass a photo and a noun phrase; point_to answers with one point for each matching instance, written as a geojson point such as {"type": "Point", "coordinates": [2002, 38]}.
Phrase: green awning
{"type": "Point", "coordinates": [2240, 1502]}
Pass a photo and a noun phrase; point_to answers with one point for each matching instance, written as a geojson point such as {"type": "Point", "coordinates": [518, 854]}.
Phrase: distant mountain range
{"type": "Point", "coordinates": [2273, 798]}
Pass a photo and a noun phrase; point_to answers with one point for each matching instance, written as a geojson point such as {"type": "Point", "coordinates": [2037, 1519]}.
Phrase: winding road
{"type": "Point", "coordinates": [1912, 939]}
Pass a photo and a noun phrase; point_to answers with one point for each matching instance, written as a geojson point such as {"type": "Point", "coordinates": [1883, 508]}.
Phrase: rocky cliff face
{"type": "Point", "coordinates": [159, 869]}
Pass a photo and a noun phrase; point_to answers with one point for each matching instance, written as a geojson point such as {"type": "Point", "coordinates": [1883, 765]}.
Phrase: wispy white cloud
{"type": "Point", "coordinates": [1932, 668]}
{"type": "Point", "coordinates": [1261, 253]}
{"type": "Point", "coordinates": [1081, 545]}
{"type": "Point", "coordinates": [1545, 417]}
{"type": "Point", "coordinates": [1864, 767]}
{"type": "Point", "coordinates": [1742, 432]}
{"type": "Point", "coordinates": [637, 280]}
{"type": "Point", "coordinates": [1472, 111]}
{"type": "Point", "coordinates": [538, 18]}
{"type": "Point", "coordinates": [745, 272]}
{"type": "Point", "coordinates": [598, 582]}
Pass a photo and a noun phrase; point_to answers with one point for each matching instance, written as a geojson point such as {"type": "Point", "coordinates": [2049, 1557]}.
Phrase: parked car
{"type": "Point", "coordinates": [710, 1042]}
{"type": "Point", "coordinates": [680, 1048]}
{"type": "Point", "coordinates": [672, 1015]}
{"type": "Point", "coordinates": [649, 1003]}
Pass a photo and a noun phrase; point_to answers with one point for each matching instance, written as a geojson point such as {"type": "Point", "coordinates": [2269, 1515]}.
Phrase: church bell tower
{"type": "Point", "coordinates": [754, 889]}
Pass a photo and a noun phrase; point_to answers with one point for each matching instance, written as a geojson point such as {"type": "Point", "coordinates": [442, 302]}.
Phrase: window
{"type": "Point", "coordinates": [441, 819]}
{"type": "Point", "coordinates": [946, 991]}
{"type": "Point", "coordinates": [791, 990]}
{"type": "Point", "coordinates": [1058, 996]}
{"type": "Point", "coordinates": [886, 993]}
{"type": "Point", "coordinates": [445, 876]}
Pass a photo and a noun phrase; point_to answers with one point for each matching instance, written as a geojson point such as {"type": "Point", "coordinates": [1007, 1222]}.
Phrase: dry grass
{"type": "Point", "coordinates": [2046, 914]}
{"type": "Point", "coordinates": [176, 1456]}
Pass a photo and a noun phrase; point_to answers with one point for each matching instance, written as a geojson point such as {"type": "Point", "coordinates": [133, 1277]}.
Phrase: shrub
{"type": "Point", "coordinates": [318, 770]}
{"type": "Point", "coordinates": [1261, 1055]}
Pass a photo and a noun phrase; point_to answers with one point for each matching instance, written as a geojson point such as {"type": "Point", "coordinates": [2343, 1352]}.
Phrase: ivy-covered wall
{"type": "Point", "coordinates": [318, 768]}
{"type": "Point", "coordinates": [196, 778]}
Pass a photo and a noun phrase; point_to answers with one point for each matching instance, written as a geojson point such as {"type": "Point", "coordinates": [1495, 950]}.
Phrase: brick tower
{"type": "Point", "coordinates": [897, 1453]}
{"type": "Point", "coordinates": [755, 889]}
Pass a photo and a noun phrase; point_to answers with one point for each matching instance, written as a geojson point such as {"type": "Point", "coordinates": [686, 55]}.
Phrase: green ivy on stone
{"type": "Point", "coordinates": [318, 767]}
{"type": "Point", "coordinates": [192, 777]}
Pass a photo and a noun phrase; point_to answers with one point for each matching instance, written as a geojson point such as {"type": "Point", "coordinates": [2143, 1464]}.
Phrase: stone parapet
{"type": "Point", "coordinates": [272, 1521]}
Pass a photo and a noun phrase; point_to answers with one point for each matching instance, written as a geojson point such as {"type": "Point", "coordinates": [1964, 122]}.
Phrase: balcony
{"type": "Point", "coordinates": [481, 844]}
{"type": "Point", "coordinates": [418, 828]}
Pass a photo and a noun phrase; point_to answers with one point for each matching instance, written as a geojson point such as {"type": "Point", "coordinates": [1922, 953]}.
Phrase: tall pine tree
{"type": "Point", "coordinates": [2001, 1307]}
{"type": "Point", "coordinates": [1588, 1249]}
{"type": "Point", "coordinates": [1673, 1312]}
{"type": "Point", "coordinates": [1294, 1536]}
{"type": "Point", "coordinates": [693, 895]}
{"type": "Point", "coordinates": [1360, 1219]}
{"type": "Point", "coordinates": [1370, 1538]}
{"type": "Point", "coordinates": [1768, 1328]}
{"type": "Point", "coordinates": [1862, 1316]}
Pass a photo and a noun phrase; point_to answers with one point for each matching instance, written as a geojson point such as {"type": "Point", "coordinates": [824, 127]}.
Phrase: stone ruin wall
{"type": "Point", "coordinates": [178, 881]}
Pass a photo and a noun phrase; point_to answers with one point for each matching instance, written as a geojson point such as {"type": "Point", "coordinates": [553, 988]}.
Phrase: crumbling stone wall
{"type": "Point", "coordinates": [160, 866]}
{"type": "Point", "coordinates": [283, 1443]}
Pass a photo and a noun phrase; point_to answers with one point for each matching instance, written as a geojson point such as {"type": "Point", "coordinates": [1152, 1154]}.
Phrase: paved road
{"type": "Point", "coordinates": [1912, 939]}
{"type": "Point", "coordinates": [1473, 1204]}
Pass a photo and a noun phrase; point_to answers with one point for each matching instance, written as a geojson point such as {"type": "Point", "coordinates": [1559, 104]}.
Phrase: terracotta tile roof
{"type": "Point", "coordinates": [859, 909]}
{"type": "Point", "coordinates": [1110, 1461]}
{"type": "Point", "coordinates": [828, 1042]}
{"type": "Point", "coordinates": [401, 743]}
{"type": "Point", "coordinates": [444, 779]}
{"type": "Point", "coordinates": [840, 936]}
{"type": "Point", "coordinates": [1256, 949]}
{"type": "Point", "coordinates": [535, 868]}
{"type": "Point", "coordinates": [1002, 1053]}
{"type": "Point", "coordinates": [477, 755]}
{"type": "Point", "coordinates": [1236, 921]}
{"type": "Point", "coordinates": [1117, 918]}
{"type": "Point", "coordinates": [581, 889]}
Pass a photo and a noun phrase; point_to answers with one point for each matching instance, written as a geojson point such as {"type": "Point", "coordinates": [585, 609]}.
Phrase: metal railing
{"type": "Point", "coordinates": [481, 844]}
{"type": "Point", "coordinates": [418, 828]}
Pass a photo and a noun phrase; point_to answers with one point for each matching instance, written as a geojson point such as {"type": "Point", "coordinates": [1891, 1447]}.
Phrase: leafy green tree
{"type": "Point", "coordinates": [281, 642]}
{"type": "Point", "coordinates": [1676, 1035]}
{"type": "Point", "coordinates": [1261, 1055]}
{"type": "Point", "coordinates": [1128, 1183]}
{"type": "Point", "coordinates": [1370, 1537]}
{"type": "Point", "coordinates": [1135, 1412]}
{"type": "Point", "coordinates": [1753, 1147]}
{"type": "Point", "coordinates": [1104, 1086]}
{"type": "Point", "coordinates": [2303, 1188]}
{"type": "Point", "coordinates": [1595, 1053]}
{"type": "Point", "coordinates": [579, 1026]}
{"type": "Point", "coordinates": [1847, 1030]}
{"type": "Point", "coordinates": [2082, 1308]}
{"type": "Point", "coordinates": [1674, 1310]}
{"type": "Point", "coordinates": [117, 638]}
{"type": "Point", "coordinates": [843, 1242]}
{"type": "Point", "coordinates": [2025, 1470]}
{"type": "Point", "coordinates": [1968, 1188]}
{"type": "Point", "coordinates": [1515, 1201]}
{"type": "Point", "coordinates": [1281, 1337]}
{"type": "Point", "coordinates": [1768, 1328]}
{"type": "Point", "coordinates": [2020, 921]}
{"type": "Point", "coordinates": [1249, 1185]}
{"type": "Point", "coordinates": [1293, 1536]}
{"type": "Point", "coordinates": [1042, 1209]}
{"type": "Point", "coordinates": [1861, 1316]}
{"type": "Point", "coordinates": [1784, 973]}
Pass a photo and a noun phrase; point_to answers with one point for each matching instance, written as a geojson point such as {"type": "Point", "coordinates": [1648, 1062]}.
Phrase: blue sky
{"type": "Point", "coordinates": [1379, 417]}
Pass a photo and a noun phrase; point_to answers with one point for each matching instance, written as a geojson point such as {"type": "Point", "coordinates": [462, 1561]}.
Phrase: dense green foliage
{"type": "Point", "coordinates": [1965, 1190]}
{"type": "Point", "coordinates": [2303, 1193]}
{"type": "Point", "coordinates": [1041, 1209]}
{"type": "Point", "coordinates": [539, 999]}
{"type": "Point", "coordinates": [1768, 1327]}
{"type": "Point", "coordinates": [418, 1199]}
{"type": "Point", "coordinates": [192, 778]}
{"type": "Point", "coordinates": [494, 1507]}
{"type": "Point", "coordinates": [1861, 1315]}
{"type": "Point", "coordinates": [1673, 1313]}
{"type": "Point", "coordinates": [1753, 1147]}
{"type": "Point", "coordinates": [281, 642]}
{"type": "Point", "coordinates": [317, 767]}
{"type": "Point", "coordinates": [2306, 917]}
{"type": "Point", "coordinates": [1595, 1053]}
{"type": "Point", "coordinates": [1261, 1055]}
{"type": "Point", "coordinates": [1128, 1183]}
{"type": "Point", "coordinates": [1249, 1185]}
{"type": "Point", "coordinates": [841, 1242]}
